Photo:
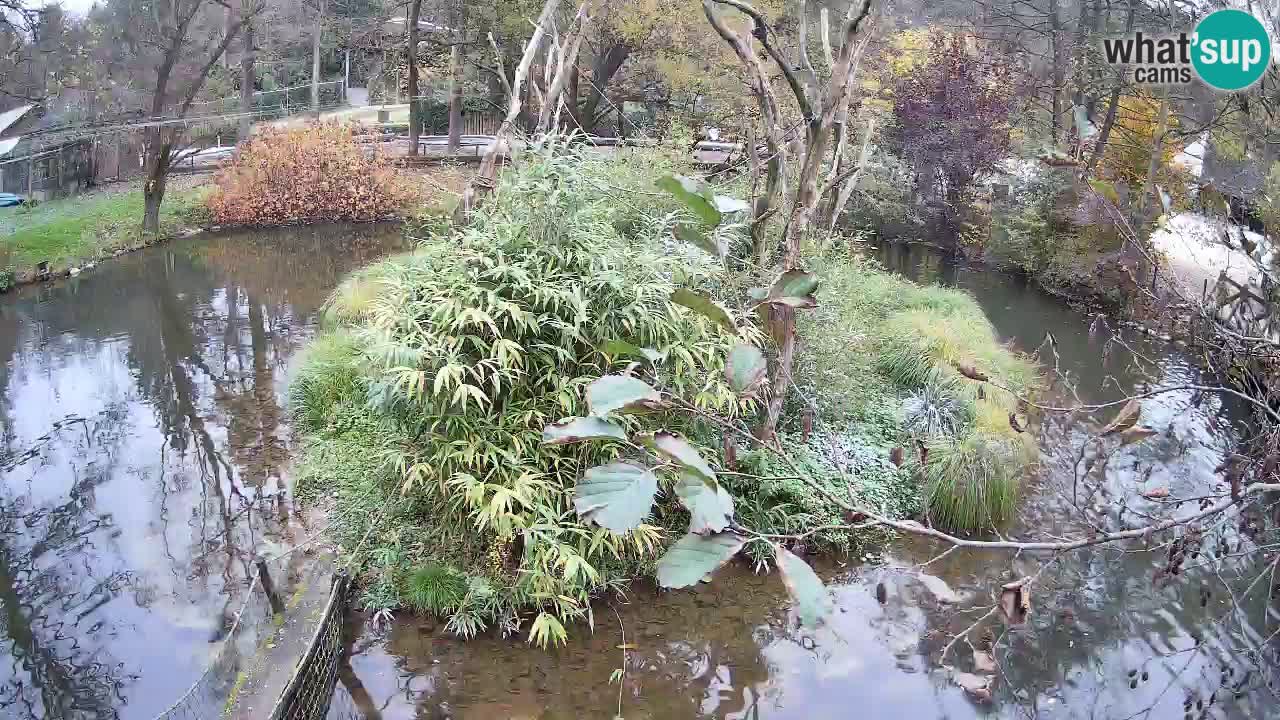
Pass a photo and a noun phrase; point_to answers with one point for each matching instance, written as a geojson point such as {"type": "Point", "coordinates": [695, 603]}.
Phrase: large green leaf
{"type": "Point", "coordinates": [616, 496]}
{"type": "Point", "coordinates": [694, 194]}
{"type": "Point", "coordinates": [794, 288]}
{"type": "Point", "coordinates": [728, 204]}
{"type": "Point", "coordinates": [813, 604]}
{"type": "Point", "coordinates": [694, 556]}
{"type": "Point", "coordinates": [623, 348]}
{"type": "Point", "coordinates": [577, 429]}
{"type": "Point", "coordinates": [710, 506]}
{"type": "Point", "coordinates": [704, 305]}
{"type": "Point", "coordinates": [676, 449]}
{"type": "Point", "coordinates": [620, 393]}
{"type": "Point", "coordinates": [745, 369]}
{"type": "Point", "coordinates": [694, 235]}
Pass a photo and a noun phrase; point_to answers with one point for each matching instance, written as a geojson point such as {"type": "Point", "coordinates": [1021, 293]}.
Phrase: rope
{"type": "Point", "coordinates": [217, 656]}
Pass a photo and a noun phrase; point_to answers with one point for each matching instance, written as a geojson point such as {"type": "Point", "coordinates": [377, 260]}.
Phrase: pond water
{"type": "Point", "coordinates": [143, 463]}
{"type": "Point", "coordinates": [1104, 638]}
{"type": "Point", "coordinates": [143, 456]}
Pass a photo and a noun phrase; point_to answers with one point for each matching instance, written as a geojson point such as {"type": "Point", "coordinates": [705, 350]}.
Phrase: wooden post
{"type": "Point", "coordinates": [277, 605]}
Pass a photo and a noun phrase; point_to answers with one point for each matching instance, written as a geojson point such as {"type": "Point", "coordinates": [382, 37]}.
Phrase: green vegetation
{"type": "Point", "coordinates": [74, 230]}
{"type": "Point", "coordinates": [884, 360]}
{"type": "Point", "coordinates": [424, 404]}
{"type": "Point", "coordinates": [444, 366]}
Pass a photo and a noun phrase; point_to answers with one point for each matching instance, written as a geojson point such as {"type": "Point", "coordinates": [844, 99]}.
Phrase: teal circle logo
{"type": "Point", "coordinates": [1231, 50]}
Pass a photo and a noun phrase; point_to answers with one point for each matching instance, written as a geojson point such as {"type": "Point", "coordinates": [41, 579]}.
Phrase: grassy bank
{"type": "Point", "coordinates": [882, 360]}
{"type": "Point", "coordinates": [75, 230]}
{"type": "Point", "coordinates": [422, 405]}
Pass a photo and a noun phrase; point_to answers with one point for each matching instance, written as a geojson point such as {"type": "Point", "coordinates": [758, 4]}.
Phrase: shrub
{"type": "Point", "coordinates": [8, 278]}
{"type": "Point", "coordinates": [467, 348]}
{"type": "Point", "coordinates": [316, 173]}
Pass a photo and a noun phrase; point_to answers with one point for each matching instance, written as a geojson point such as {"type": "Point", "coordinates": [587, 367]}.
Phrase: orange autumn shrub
{"type": "Point", "coordinates": [313, 173]}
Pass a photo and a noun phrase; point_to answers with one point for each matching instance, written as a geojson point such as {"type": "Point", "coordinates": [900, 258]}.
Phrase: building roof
{"type": "Point", "coordinates": [8, 144]}
{"type": "Point", "coordinates": [9, 117]}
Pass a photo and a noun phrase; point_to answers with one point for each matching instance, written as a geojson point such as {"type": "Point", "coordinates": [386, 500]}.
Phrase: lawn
{"type": "Point", "coordinates": [78, 229]}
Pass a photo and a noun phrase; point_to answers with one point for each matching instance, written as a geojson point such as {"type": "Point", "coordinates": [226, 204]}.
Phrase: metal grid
{"type": "Point", "coordinates": [310, 690]}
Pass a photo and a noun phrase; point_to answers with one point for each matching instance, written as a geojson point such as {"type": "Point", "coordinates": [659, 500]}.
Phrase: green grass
{"type": "Point", "coordinates": [880, 357]}
{"type": "Point", "coordinates": [74, 230]}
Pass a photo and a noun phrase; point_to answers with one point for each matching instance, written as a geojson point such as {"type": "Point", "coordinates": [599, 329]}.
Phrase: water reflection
{"type": "Point", "coordinates": [731, 650]}
{"type": "Point", "coordinates": [143, 442]}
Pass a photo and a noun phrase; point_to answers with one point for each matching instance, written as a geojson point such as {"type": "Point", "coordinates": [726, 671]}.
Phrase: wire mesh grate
{"type": "Point", "coordinates": [310, 690]}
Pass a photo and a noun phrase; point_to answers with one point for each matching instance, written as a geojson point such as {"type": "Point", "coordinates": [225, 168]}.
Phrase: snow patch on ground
{"type": "Point", "coordinates": [1195, 249]}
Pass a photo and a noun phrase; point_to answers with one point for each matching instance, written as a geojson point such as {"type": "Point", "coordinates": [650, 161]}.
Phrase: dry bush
{"type": "Point", "coordinates": [315, 173]}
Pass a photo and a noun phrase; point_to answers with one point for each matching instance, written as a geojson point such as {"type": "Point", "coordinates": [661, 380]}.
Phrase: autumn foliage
{"type": "Point", "coordinates": [315, 173]}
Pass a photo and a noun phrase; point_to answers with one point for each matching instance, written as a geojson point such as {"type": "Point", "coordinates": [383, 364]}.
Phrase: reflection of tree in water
{"type": "Point", "coordinates": [52, 582]}
{"type": "Point", "coordinates": [202, 330]}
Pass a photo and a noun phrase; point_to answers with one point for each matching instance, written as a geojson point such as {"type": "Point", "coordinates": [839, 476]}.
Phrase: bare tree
{"type": "Point", "coordinates": [819, 108]}
{"type": "Point", "coordinates": [486, 178]}
{"type": "Point", "coordinates": [247, 72]}
{"type": "Point", "coordinates": [318, 33]}
{"type": "Point", "coordinates": [415, 112]}
{"type": "Point", "coordinates": [183, 41]}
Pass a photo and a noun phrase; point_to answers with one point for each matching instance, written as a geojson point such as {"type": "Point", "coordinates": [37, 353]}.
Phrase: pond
{"type": "Point", "coordinates": [144, 448]}
{"type": "Point", "coordinates": [1104, 638]}
{"type": "Point", "coordinates": [143, 460]}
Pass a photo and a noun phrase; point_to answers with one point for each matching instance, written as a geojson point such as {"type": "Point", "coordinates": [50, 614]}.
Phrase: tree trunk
{"type": "Point", "coordinates": [455, 98]}
{"type": "Point", "coordinates": [159, 149]}
{"type": "Point", "coordinates": [606, 65]}
{"type": "Point", "coordinates": [485, 179]}
{"type": "Point", "coordinates": [568, 55]}
{"type": "Point", "coordinates": [1058, 76]}
{"type": "Point", "coordinates": [1100, 145]}
{"type": "Point", "coordinates": [152, 197]}
{"type": "Point", "coordinates": [315, 59]}
{"type": "Point", "coordinates": [246, 75]}
{"type": "Point", "coordinates": [571, 99]}
{"type": "Point", "coordinates": [415, 107]}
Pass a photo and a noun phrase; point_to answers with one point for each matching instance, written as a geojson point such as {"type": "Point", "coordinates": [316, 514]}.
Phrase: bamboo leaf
{"type": "Point", "coordinates": [617, 496]}
{"type": "Point", "coordinates": [620, 393]}
{"type": "Point", "coordinates": [577, 429]}
{"type": "Point", "coordinates": [710, 506]}
{"type": "Point", "coordinates": [674, 448]}
{"type": "Point", "coordinates": [694, 194]}
{"type": "Point", "coordinates": [694, 556]}
{"type": "Point", "coordinates": [745, 369]}
{"type": "Point", "coordinates": [813, 604]}
{"type": "Point", "coordinates": [704, 305]}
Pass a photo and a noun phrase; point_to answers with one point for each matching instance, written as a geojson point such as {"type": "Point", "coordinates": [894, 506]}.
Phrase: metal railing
{"type": "Point", "coordinates": [310, 690]}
